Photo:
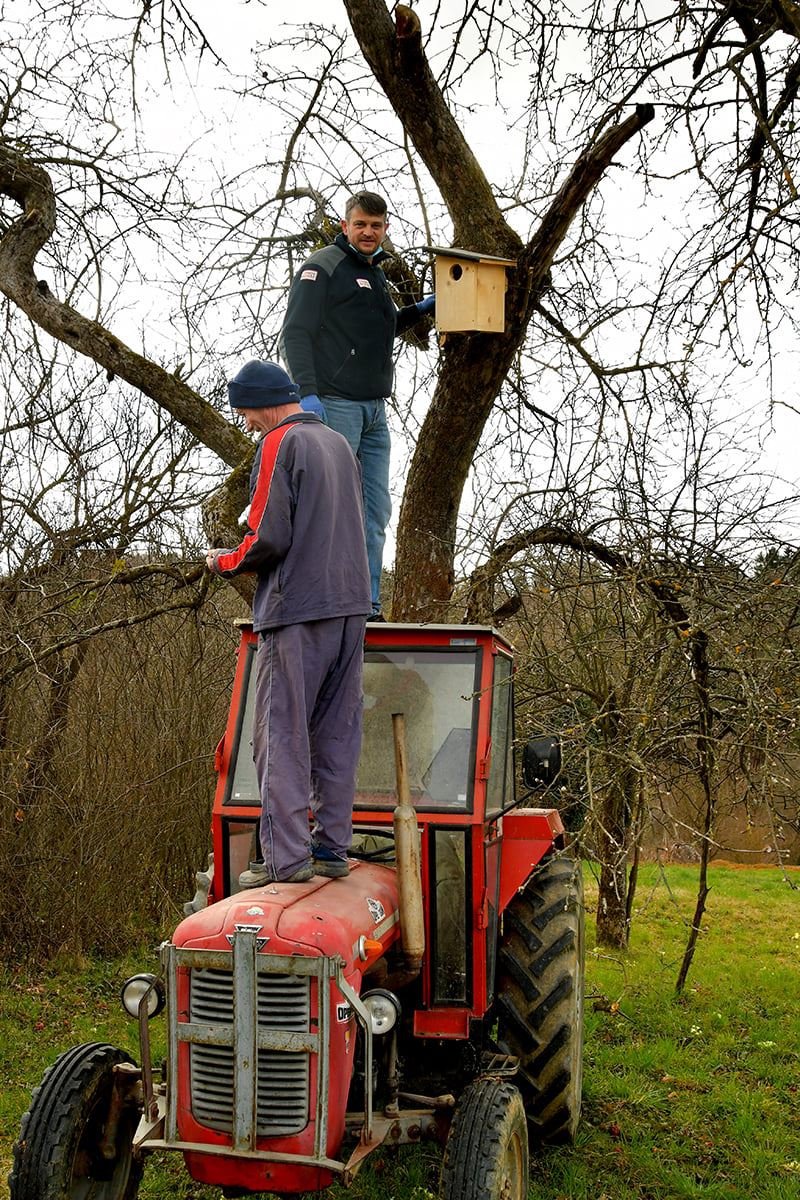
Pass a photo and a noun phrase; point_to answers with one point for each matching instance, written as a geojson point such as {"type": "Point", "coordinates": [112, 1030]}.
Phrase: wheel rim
{"type": "Point", "coordinates": [94, 1177]}
{"type": "Point", "coordinates": [512, 1184]}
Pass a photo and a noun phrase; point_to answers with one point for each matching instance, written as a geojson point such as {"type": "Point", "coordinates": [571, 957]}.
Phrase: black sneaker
{"type": "Point", "coordinates": [326, 862]}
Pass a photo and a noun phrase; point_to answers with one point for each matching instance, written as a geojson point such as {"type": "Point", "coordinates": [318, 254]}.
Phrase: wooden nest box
{"type": "Point", "coordinates": [470, 291]}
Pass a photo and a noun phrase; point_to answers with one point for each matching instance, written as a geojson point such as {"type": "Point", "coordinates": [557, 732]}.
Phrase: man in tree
{"type": "Point", "coordinates": [337, 341]}
{"type": "Point", "coordinates": [306, 545]}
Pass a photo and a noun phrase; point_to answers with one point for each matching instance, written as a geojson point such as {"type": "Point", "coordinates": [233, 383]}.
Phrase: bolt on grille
{"type": "Point", "coordinates": [283, 1076]}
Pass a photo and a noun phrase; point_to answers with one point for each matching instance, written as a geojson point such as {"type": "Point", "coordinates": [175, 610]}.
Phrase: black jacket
{"type": "Point", "coordinates": [340, 325]}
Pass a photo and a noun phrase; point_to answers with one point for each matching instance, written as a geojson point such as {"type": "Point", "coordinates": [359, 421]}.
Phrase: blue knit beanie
{"type": "Point", "coordinates": [262, 385]}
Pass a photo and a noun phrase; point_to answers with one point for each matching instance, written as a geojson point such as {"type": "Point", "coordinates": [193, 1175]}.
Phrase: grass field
{"type": "Point", "coordinates": [690, 1097]}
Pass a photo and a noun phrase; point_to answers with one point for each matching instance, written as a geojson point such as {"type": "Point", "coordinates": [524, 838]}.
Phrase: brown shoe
{"type": "Point", "coordinates": [259, 876]}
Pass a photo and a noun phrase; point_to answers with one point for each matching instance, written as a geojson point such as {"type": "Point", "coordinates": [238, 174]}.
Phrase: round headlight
{"type": "Point", "coordinates": [135, 988]}
{"type": "Point", "coordinates": [383, 1008]}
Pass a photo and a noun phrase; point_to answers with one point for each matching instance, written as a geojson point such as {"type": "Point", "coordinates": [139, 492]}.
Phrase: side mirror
{"type": "Point", "coordinates": [541, 761]}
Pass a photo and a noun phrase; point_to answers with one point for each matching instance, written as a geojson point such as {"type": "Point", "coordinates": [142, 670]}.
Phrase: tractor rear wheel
{"type": "Point", "coordinates": [486, 1155]}
{"type": "Point", "coordinates": [539, 996]}
{"type": "Point", "coordinates": [76, 1140]}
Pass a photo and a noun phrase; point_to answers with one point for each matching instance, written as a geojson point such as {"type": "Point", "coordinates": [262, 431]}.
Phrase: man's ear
{"type": "Point", "coordinates": [344, 225]}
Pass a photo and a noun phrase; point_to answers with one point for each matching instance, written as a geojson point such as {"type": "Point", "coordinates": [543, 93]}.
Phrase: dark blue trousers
{"type": "Point", "coordinates": [307, 737]}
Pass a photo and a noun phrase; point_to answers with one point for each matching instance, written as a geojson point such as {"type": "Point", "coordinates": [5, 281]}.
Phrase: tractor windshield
{"type": "Point", "coordinates": [436, 690]}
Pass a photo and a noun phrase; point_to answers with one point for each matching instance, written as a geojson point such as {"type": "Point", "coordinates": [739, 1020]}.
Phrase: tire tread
{"type": "Point", "coordinates": [475, 1141]}
{"type": "Point", "coordinates": [539, 1000]}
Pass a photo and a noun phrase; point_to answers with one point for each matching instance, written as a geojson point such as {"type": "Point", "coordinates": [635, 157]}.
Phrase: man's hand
{"type": "Point", "coordinates": [211, 561]}
{"type": "Point", "coordinates": [313, 404]}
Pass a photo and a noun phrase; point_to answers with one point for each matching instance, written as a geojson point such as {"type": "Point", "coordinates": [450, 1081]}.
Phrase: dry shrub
{"type": "Point", "coordinates": [107, 781]}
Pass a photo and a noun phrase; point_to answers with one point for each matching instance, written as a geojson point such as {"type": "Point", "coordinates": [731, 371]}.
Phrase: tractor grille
{"type": "Point", "coordinates": [283, 1076]}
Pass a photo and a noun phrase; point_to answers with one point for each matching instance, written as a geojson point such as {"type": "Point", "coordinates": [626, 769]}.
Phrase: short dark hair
{"type": "Point", "coordinates": [368, 202]}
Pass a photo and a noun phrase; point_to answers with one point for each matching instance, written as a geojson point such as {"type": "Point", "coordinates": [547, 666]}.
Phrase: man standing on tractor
{"type": "Point", "coordinates": [306, 545]}
{"type": "Point", "coordinates": [337, 342]}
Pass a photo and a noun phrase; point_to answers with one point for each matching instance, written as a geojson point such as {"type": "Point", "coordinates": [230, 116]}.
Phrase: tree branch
{"type": "Point", "coordinates": [83, 635]}
{"type": "Point", "coordinates": [395, 55]}
{"type": "Point", "coordinates": [30, 186]}
{"type": "Point", "coordinates": [576, 189]}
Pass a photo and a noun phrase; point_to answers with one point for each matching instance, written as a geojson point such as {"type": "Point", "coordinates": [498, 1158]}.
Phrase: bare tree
{"type": "Point", "coordinates": [599, 106]}
{"type": "Point", "coordinates": [659, 663]}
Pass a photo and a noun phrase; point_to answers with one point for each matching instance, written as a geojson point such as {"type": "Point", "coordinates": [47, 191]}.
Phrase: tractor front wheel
{"type": "Point", "coordinates": [539, 995]}
{"type": "Point", "coordinates": [76, 1140]}
{"type": "Point", "coordinates": [486, 1156]}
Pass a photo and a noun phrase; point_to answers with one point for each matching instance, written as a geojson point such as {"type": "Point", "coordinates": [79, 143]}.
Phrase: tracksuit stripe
{"type": "Point", "coordinates": [266, 469]}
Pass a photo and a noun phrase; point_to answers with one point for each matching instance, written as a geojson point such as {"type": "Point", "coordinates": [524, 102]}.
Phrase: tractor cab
{"type": "Point", "coordinates": [454, 687]}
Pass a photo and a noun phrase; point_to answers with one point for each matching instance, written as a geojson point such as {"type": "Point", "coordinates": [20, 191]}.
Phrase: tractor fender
{"type": "Point", "coordinates": [528, 835]}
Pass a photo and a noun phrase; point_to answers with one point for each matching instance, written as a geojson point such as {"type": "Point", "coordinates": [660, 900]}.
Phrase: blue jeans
{"type": "Point", "coordinates": [363, 424]}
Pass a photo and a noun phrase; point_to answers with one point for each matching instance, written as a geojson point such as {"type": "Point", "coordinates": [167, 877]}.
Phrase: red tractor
{"type": "Point", "coordinates": [434, 992]}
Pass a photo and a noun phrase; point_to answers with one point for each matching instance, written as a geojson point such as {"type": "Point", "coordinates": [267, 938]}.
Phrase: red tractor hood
{"type": "Point", "coordinates": [323, 916]}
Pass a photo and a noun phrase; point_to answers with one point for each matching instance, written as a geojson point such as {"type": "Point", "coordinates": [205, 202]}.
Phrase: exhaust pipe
{"type": "Point", "coordinates": [406, 841]}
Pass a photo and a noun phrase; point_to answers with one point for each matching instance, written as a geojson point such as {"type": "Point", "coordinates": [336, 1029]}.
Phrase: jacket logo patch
{"type": "Point", "coordinates": [364, 283]}
{"type": "Point", "coordinates": [309, 273]}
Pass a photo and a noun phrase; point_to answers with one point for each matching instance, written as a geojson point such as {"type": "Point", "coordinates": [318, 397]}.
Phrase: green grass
{"type": "Point", "coordinates": [684, 1097]}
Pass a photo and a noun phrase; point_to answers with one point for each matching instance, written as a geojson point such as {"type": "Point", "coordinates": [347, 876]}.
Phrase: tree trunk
{"type": "Point", "coordinates": [706, 763]}
{"type": "Point", "coordinates": [473, 369]}
{"type": "Point", "coordinates": [613, 926]}
{"type": "Point", "coordinates": [612, 912]}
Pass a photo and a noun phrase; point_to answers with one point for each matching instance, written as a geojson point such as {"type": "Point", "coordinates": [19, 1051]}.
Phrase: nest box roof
{"type": "Point", "coordinates": [472, 255]}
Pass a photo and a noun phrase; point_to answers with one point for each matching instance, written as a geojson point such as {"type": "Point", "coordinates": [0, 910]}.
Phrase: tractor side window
{"type": "Point", "coordinates": [499, 786]}
{"type": "Point", "coordinates": [436, 691]}
{"type": "Point", "coordinates": [243, 788]}
{"type": "Point", "coordinates": [449, 917]}
{"type": "Point", "coordinates": [240, 848]}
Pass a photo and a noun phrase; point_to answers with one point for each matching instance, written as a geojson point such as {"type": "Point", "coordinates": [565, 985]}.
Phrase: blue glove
{"type": "Point", "coordinates": [427, 305]}
{"type": "Point", "coordinates": [312, 404]}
